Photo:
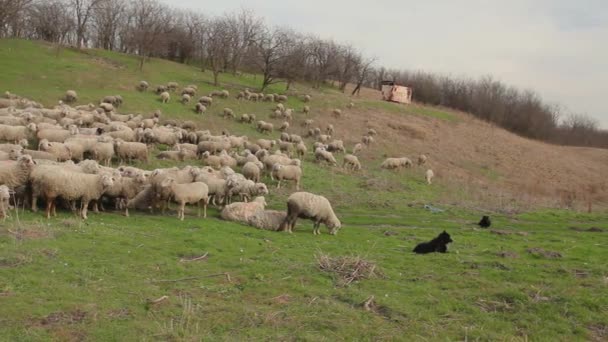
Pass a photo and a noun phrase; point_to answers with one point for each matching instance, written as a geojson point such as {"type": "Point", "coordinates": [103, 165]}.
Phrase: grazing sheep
{"type": "Point", "coordinates": [350, 105]}
{"type": "Point", "coordinates": [14, 174]}
{"type": "Point", "coordinates": [280, 107]}
{"type": "Point", "coordinates": [371, 132]}
{"type": "Point", "coordinates": [5, 197]}
{"type": "Point", "coordinates": [330, 129]}
{"type": "Point", "coordinates": [126, 151]}
{"type": "Point", "coordinates": [301, 149]}
{"type": "Point", "coordinates": [396, 163]}
{"type": "Point", "coordinates": [224, 94]}
{"type": "Point", "coordinates": [306, 98]}
{"type": "Point", "coordinates": [252, 170]}
{"type": "Point", "coordinates": [265, 127]}
{"type": "Point", "coordinates": [106, 107]}
{"type": "Point", "coordinates": [60, 151]}
{"type": "Point", "coordinates": [269, 98]}
{"type": "Point", "coordinates": [284, 126]}
{"type": "Point", "coordinates": [127, 188]}
{"type": "Point", "coordinates": [322, 155]}
{"type": "Point", "coordinates": [367, 140]}
{"type": "Point", "coordinates": [206, 100]}
{"type": "Point", "coordinates": [311, 206]}
{"type": "Point", "coordinates": [185, 98]}
{"type": "Point", "coordinates": [70, 96]}
{"type": "Point", "coordinates": [191, 193]}
{"type": "Point", "coordinates": [438, 244]}
{"type": "Point", "coordinates": [165, 97]}
{"type": "Point", "coordinates": [281, 98]}
{"type": "Point", "coordinates": [114, 100]}
{"type": "Point", "coordinates": [228, 113]}
{"type": "Point", "coordinates": [243, 211]}
{"type": "Point", "coordinates": [307, 123]}
{"type": "Point", "coordinates": [287, 172]}
{"type": "Point", "coordinates": [172, 86]}
{"type": "Point", "coordinates": [199, 108]}
{"type": "Point", "coordinates": [189, 91]}
{"type": "Point", "coordinates": [351, 162]}
{"type": "Point", "coordinates": [421, 159]}
{"type": "Point", "coordinates": [267, 219]}
{"type": "Point", "coordinates": [357, 148]}
{"type": "Point", "coordinates": [143, 86]}
{"type": "Point", "coordinates": [336, 146]}
{"type": "Point", "coordinates": [161, 89]}
{"type": "Point", "coordinates": [306, 109]}
{"type": "Point", "coordinates": [336, 113]}
{"type": "Point", "coordinates": [428, 176]}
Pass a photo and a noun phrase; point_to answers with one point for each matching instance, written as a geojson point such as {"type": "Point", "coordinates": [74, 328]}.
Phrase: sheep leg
{"type": "Point", "coordinates": [49, 204]}
{"type": "Point", "coordinates": [126, 211]}
{"type": "Point", "coordinates": [83, 209]}
{"type": "Point", "coordinates": [279, 184]}
{"type": "Point", "coordinates": [54, 208]}
{"type": "Point", "coordinates": [182, 209]}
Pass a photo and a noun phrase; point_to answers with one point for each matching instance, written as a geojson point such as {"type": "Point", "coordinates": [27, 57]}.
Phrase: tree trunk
{"type": "Point", "coordinates": [216, 74]}
{"type": "Point", "coordinates": [141, 62]}
{"type": "Point", "coordinates": [288, 84]}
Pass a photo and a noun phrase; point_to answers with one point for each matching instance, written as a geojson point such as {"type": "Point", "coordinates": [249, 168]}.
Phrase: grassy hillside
{"type": "Point", "coordinates": [65, 279]}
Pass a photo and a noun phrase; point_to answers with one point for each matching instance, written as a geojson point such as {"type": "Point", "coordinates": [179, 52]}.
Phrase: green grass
{"type": "Point", "coordinates": [64, 279]}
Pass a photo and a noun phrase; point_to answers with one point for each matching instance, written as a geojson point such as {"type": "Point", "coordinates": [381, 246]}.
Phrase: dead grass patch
{"type": "Point", "coordinates": [15, 261]}
{"type": "Point", "coordinates": [599, 331]}
{"type": "Point", "coordinates": [30, 232]}
{"type": "Point", "coordinates": [540, 252]}
{"type": "Point", "coordinates": [408, 130]}
{"type": "Point", "coordinates": [590, 230]}
{"type": "Point", "coordinates": [348, 269]}
{"type": "Point", "coordinates": [507, 232]}
{"type": "Point", "coordinates": [63, 317]}
{"type": "Point", "coordinates": [508, 254]}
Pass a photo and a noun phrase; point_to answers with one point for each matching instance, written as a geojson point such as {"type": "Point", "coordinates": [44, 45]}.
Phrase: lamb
{"type": "Point", "coordinates": [126, 151]}
{"type": "Point", "coordinates": [330, 129]}
{"type": "Point", "coordinates": [357, 148]}
{"type": "Point", "coordinates": [71, 186]}
{"type": "Point", "coordinates": [185, 98]}
{"type": "Point", "coordinates": [396, 163]}
{"type": "Point", "coordinates": [311, 206]}
{"type": "Point", "coordinates": [287, 172]}
{"type": "Point", "coordinates": [421, 159]}
{"type": "Point", "coordinates": [322, 155]}
{"type": "Point", "coordinates": [59, 150]}
{"type": "Point", "coordinates": [70, 96]}
{"type": "Point", "coordinates": [243, 211]}
{"type": "Point", "coordinates": [351, 162]}
{"type": "Point", "coordinates": [143, 86]}
{"type": "Point", "coordinates": [14, 134]}
{"type": "Point", "coordinates": [165, 97]}
{"type": "Point", "coordinates": [5, 196]}
{"type": "Point", "coordinates": [428, 176]}
{"type": "Point", "coordinates": [252, 170]}
{"type": "Point", "coordinates": [336, 113]}
{"type": "Point", "coordinates": [200, 108]}
{"type": "Point", "coordinates": [190, 193]}
{"type": "Point", "coordinates": [206, 100]}
{"type": "Point", "coordinates": [14, 174]}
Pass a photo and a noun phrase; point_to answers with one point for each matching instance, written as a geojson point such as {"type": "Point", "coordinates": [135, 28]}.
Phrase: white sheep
{"type": "Point", "coordinates": [284, 126]}
{"type": "Point", "coordinates": [126, 151]}
{"type": "Point", "coordinates": [14, 134]}
{"type": "Point", "coordinates": [14, 174]}
{"type": "Point", "coordinates": [267, 219]}
{"type": "Point", "coordinates": [206, 100]}
{"type": "Point", "coordinates": [351, 162]}
{"type": "Point", "coordinates": [422, 159]}
{"type": "Point", "coordinates": [357, 148]}
{"type": "Point", "coordinates": [306, 109]}
{"type": "Point", "coordinates": [252, 170]}
{"type": "Point", "coordinates": [143, 86]}
{"type": "Point", "coordinates": [336, 113]}
{"type": "Point", "coordinates": [396, 163]}
{"type": "Point", "coordinates": [243, 211]}
{"type": "Point", "coordinates": [59, 150]}
{"type": "Point", "coordinates": [185, 98]}
{"type": "Point", "coordinates": [70, 96]}
{"type": "Point", "coordinates": [165, 97]}
{"type": "Point", "coordinates": [428, 176]}
{"type": "Point", "coordinates": [287, 172]}
{"type": "Point", "coordinates": [323, 155]}
{"type": "Point", "coordinates": [311, 206]}
{"type": "Point", "coordinates": [200, 108]}
{"type": "Point", "coordinates": [228, 113]}
{"type": "Point", "coordinates": [190, 193]}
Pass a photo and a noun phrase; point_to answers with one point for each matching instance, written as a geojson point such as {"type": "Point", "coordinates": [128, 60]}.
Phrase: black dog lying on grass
{"type": "Point", "coordinates": [438, 244]}
{"type": "Point", "coordinates": [485, 222]}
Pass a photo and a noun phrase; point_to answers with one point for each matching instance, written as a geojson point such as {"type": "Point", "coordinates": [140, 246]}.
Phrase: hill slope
{"type": "Point", "coordinates": [65, 279]}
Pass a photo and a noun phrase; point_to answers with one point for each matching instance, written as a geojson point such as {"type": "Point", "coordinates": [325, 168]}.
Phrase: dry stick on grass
{"type": "Point", "coordinates": [226, 274]}
{"type": "Point", "coordinates": [204, 256]}
{"type": "Point", "coordinates": [348, 269]}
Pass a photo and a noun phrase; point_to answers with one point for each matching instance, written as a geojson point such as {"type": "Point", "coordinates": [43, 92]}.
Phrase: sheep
{"type": "Point", "coordinates": [284, 126]}
{"type": "Point", "coordinates": [281, 98]}
{"type": "Point", "coordinates": [228, 113]}
{"type": "Point", "coordinates": [14, 134]}
{"type": "Point", "coordinates": [371, 132]}
{"type": "Point", "coordinates": [269, 98]}
{"type": "Point", "coordinates": [172, 86]}
{"type": "Point", "coordinates": [421, 159]}
{"type": "Point", "coordinates": [294, 138]}
{"type": "Point", "coordinates": [200, 108]}
{"type": "Point", "coordinates": [336, 113]}
{"type": "Point", "coordinates": [224, 94]}
{"type": "Point", "coordinates": [307, 123]}
{"type": "Point", "coordinates": [23, 143]}
{"type": "Point", "coordinates": [196, 192]}
{"type": "Point", "coordinates": [14, 174]}
{"type": "Point", "coordinates": [336, 146]}
{"type": "Point", "coordinates": [351, 162]}
{"type": "Point", "coordinates": [311, 206]}
{"type": "Point", "coordinates": [143, 200]}
{"type": "Point", "coordinates": [350, 105]}
{"type": "Point", "coordinates": [267, 219]}
{"type": "Point", "coordinates": [322, 155]}
{"type": "Point", "coordinates": [205, 100]}
{"type": "Point", "coordinates": [265, 127]}
{"type": "Point", "coordinates": [253, 97]}
{"type": "Point", "coordinates": [57, 135]}
{"type": "Point", "coordinates": [5, 196]}
{"type": "Point", "coordinates": [126, 151]}
{"type": "Point", "coordinates": [270, 160]}
{"type": "Point", "coordinates": [301, 149]}
{"type": "Point", "coordinates": [161, 89]}
{"type": "Point", "coordinates": [51, 183]}
{"type": "Point", "coordinates": [280, 107]}
{"type": "Point", "coordinates": [288, 114]}
{"type": "Point", "coordinates": [243, 211]}
{"type": "Point", "coordinates": [70, 96]}
{"type": "Point", "coordinates": [367, 140]}
{"type": "Point", "coordinates": [306, 109]}
{"type": "Point", "coordinates": [185, 98]}
{"type": "Point", "coordinates": [192, 86]}
{"type": "Point", "coordinates": [106, 107]}
{"type": "Point", "coordinates": [357, 148]}
{"type": "Point", "coordinates": [40, 155]}
{"type": "Point", "coordinates": [306, 98]}
{"type": "Point", "coordinates": [286, 147]}
{"type": "Point", "coordinates": [115, 100]}
{"type": "Point", "coordinates": [217, 186]}
{"type": "Point", "coordinates": [287, 172]}
{"type": "Point", "coordinates": [143, 86]}
{"type": "Point", "coordinates": [245, 188]}
{"type": "Point", "coordinates": [188, 91]}
{"type": "Point", "coordinates": [252, 170]}
{"type": "Point", "coordinates": [396, 163]}
{"type": "Point", "coordinates": [323, 138]}
{"type": "Point", "coordinates": [165, 97]}
{"type": "Point", "coordinates": [127, 188]}
{"type": "Point", "coordinates": [428, 176]}
{"type": "Point", "coordinates": [59, 150]}
{"type": "Point", "coordinates": [330, 129]}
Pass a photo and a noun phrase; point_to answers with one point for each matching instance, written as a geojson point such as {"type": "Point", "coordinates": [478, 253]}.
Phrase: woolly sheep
{"type": "Point", "coordinates": [428, 176]}
{"type": "Point", "coordinates": [196, 192]}
{"type": "Point", "coordinates": [243, 211]}
{"type": "Point", "coordinates": [350, 105]}
{"type": "Point", "coordinates": [126, 151]}
{"type": "Point", "coordinates": [337, 113]}
{"type": "Point", "coordinates": [336, 146]}
{"type": "Point", "coordinates": [165, 97]}
{"type": "Point", "coordinates": [269, 98]}
{"type": "Point", "coordinates": [421, 159]}
{"type": "Point", "coordinates": [301, 149]}
{"type": "Point", "coordinates": [284, 126]}
{"type": "Point", "coordinates": [367, 140]}
{"type": "Point", "coordinates": [371, 132]}
{"type": "Point", "coordinates": [252, 170]}
{"type": "Point", "coordinates": [14, 174]}
{"type": "Point", "coordinates": [106, 107]}
{"type": "Point", "coordinates": [245, 189]}
{"type": "Point", "coordinates": [172, 86]}
{"type": "Point", "coordinates": [351, 162]}
{"type": "Point", "coordinates": [306, 109]}
{"type": "Point", "coordinates": [5, 196]}
{"type": "Point", "coordinates": [224, 94]}
{"type": "Point", "coordinates": [322, 155]}
{"type": "Point", "coordinates": [265, 127]}
{"type": "Point", "coordinates": [281, 98]}
{"type": "Point", "coordinates": [206, 100]}
{"type": "Point", "coordinates": [200, 108]}
{"type": "Point", "coordinates": [307, 122]}
{"type": "Point", "coordinates": [396, 163]}
{"type": "Point", "coordinates": [330, 129]}
{"type": "Point", "coordinates": [126, 188]}
{"type": "Point", "coordinates": [188, 91]}
{"type": "Point", "coordinates": [59, 150]}
{"type": "Point", "coordinates": [228, 113]}
{"type": "Point", "coordinates": [143, 86]}
{"type": "Point", "coordinates": [185, 98]}
{"type": "Point", "coordinates": [267, 219]}
{"type": "Point", "coordinates": [287, 172]}
{"type": "Point", "coordinates": [306, 98]}
{"type": "Point", "coordinates": [311, 206]}
{"type": "Point", "coordinates": [14, 134]}
{"type": "Point", "coordinates": [357, 148]}
{"type": "Point", "coordinates": [70, 96]}
{"type": "Point", "coordinates": [161, 89]}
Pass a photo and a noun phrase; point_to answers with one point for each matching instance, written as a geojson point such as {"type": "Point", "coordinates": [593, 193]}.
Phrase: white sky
{"type": "Point", "coordinates": [558, 48]}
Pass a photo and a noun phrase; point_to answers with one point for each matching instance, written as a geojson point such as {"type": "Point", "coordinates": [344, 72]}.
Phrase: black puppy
{"type": "Point", "coordinates": [485, 222]}
{"type": "Point", "coordinates": [438, 244]}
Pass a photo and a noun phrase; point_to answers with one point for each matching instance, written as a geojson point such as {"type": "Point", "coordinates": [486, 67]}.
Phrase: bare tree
{"type": "Point", "coordinates": [244, 27]}
{"type": "Point", "coordinates": [83, 9]}
{"type": "Point", "coordinates": [270, 50]}
{"type": "Point", "coordinates": [12, 14]}
{"type": "Point", "coordinates": [348, 61]}
{"type": "Point", "coordinates": [217, 46]}
{"type": "Point", "coordinates": [296, 56]}
{"type": "Point", "coordinates": [107, 17]}
{"type": "Point", "coordinates": [362, 73]}
{"type": "Point", "coordinates": [49, 21]}
{"type": "Point", "coordinates": [148, 22]}
{"type": "Point", "coordinates": [323, 55]}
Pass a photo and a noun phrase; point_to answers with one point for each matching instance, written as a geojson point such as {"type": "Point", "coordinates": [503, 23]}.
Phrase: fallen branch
{"type": "Point", "coordinates": [193, 278]}
{"type": "Point", "coordinates": [204, 256]}
{"type": "Point", "coordinates": [156, 301]}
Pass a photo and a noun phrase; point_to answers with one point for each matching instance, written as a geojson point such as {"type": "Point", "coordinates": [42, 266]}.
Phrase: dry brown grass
{"type": "Point", "coordinates": [347, 269]}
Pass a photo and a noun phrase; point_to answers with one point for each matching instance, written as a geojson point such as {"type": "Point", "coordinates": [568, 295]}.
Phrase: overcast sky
{"type": "Point", "coordinates": [557, 47]}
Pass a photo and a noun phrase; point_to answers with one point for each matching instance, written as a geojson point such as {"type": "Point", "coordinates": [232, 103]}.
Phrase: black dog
{"type": "Point", "coordinates": [485, 222]}
{"type": "Point", "coordinates": [438, 244]}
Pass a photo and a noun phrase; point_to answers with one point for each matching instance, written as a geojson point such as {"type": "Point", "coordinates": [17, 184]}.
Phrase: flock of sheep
{"type": "Point", "coordinates": [76, 145]}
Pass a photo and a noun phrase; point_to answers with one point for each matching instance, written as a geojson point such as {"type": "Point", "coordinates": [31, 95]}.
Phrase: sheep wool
{"type": "Point", "coordinates": [311, 206]}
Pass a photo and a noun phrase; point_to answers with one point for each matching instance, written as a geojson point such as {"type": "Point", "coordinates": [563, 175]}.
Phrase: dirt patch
{"type": "Point", "coordinates": [508, 254]}
{"type": "Point", "coordinates": [282, 299]}
{"type": "Point", "coordinates": [63, 317]}
{"type": "Point", "coordinates": [539, 252]}
{"type": "Point", "coordinates": [15, 261]}
{"type": "Point", "coordinates": [119, 314]}
{"type": "Point", "coordinates": [590, 230]}
{"type": "Point", "coordinates": [580, 273]}
{"type": "Point", "coordinates": [599, 331]}
{"type": "Point", "coordinates": [408, 130]}
{"type": "Point", "coordinates": [29, 233]}
{"type": "Point", "coordinates": [507, 232]}
{"type": "Point", "coordinates": [385, 312]}
{"type": "Point", "coordinates": [390, 233]}
{"type": "Point", "coordinates": [348, 269]}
